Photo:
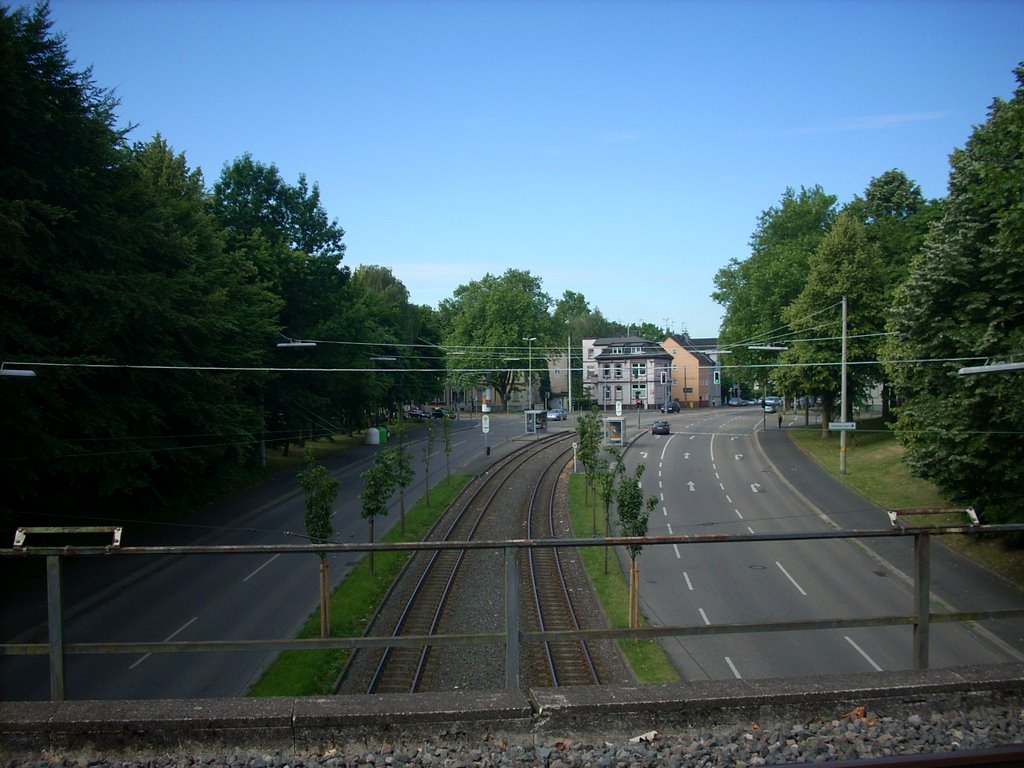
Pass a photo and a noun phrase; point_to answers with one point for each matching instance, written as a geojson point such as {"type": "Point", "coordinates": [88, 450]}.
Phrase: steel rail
{"type": "Point", "coordinates": [551, 595]}
{"type": "Point", "coordinates": [434, 586]}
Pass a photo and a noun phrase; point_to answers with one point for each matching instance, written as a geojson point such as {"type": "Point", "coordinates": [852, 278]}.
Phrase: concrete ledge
{"type": "Point", "coordinates": [602, 712]}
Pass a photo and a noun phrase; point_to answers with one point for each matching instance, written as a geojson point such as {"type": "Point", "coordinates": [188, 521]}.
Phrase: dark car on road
{"type": "Point", "coordinates": [660, 427]}
{"type": "Point", "coordinates": [670, 407]}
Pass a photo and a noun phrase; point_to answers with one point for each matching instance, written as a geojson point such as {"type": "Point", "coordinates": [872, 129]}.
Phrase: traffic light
{"type": "Point", "coordinates": [717, 377]}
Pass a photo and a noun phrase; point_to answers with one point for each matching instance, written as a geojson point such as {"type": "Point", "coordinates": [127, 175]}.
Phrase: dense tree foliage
{"type": "Point", "coordinates": [965, 299]}
{"type": "Point", "coordinates": [151, 307]}
{"type": "Point", "coordinates": [756, 290]}
{"type": "Point", "coordinates": [844, 264]}
{"type": "Point", "coordinates": [485, 323]}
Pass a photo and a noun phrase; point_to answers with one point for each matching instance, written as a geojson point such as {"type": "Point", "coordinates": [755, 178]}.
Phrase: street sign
{"type": "Point", "coordinates": [486, 423]}
{"type": "Point", "coordinates": [843, 426]}
{"type": "Point", "coordinates": [618, 407]}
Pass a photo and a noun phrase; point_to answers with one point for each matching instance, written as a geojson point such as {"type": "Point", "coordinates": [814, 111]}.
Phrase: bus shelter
{"type": "Point", "coordinates": [536, 421]}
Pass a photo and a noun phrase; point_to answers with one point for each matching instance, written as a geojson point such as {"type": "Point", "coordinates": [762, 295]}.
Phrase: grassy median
{"type": "Point", "coordinates": [353, 604]}
{"type": "Point", "coordinates": [648, 660]}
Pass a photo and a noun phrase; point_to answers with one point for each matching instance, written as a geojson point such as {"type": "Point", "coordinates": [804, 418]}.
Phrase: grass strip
{"type": "Point", "coordinates": [647, 659]}
{"type": "Point", "coordinates": [353, 604]}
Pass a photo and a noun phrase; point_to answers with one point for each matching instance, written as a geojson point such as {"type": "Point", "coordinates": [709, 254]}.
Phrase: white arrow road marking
{"type": "Point", "coordinates": [861, 652]}
{"type": "Point", "coordinates": [686, 455]}
{"type": "Point", "coordinates": [692, 436]}
{"type": "Point", "coordinates": [692, 486]}
{"type": "Point", "coordinates": [801, 589]}
{"type": "Point", "coordinates": [739, 456]}
{"type": "Point", "coordinates": [167, 639]}
{"type": "Point", "coordinates": [755, 487]}
{"type": "Point", "coordinates": [643, 454]}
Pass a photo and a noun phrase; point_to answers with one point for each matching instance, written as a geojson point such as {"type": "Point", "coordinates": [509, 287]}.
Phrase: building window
{"type": "Point", "coordinates": [590, 353]}
{"type": "Point", "coordinates": [640, 392]}
{"type": "Point", "coordinates": [636, 351]}
{"type": "Point", "coordinates": [618, 370]}
{"type": "Point", "coordinates": [616, 350]}
{"type": "Point", "coordinates": [639, 370]}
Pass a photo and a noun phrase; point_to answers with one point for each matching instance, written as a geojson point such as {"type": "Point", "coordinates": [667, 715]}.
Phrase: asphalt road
{"type": "Point", "coordinates": [204, 597]}
{"type": "Point", "coordinates": [715, 473]}
{"type": "Point", "coordinates": [721, 472]}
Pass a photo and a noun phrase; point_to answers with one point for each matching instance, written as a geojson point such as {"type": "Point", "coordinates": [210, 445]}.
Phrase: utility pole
{"type": "Point", "coordinates": [843, 408]}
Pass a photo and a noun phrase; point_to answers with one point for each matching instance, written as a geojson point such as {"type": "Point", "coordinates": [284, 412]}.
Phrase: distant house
{"type": "Point", "coordinates": [694, 371]}
{"type": "Point", "coordinates": [627, 369]}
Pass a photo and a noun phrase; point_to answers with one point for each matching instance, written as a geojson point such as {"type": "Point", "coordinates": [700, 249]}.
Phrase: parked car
{"type": "Point", "coordinates": [557, 414]}
{"type": "Point", "coordinates": [736, 402]}
{"type": "Point", "coordinates": [671, 407]}
{"type": "Point", "coordinates": [416, 414]}
{"type": "Point", "coordinates": [660, 427]}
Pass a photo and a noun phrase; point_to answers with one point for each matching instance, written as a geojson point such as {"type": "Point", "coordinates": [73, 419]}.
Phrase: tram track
{"type": "Point", "coordinates": [492, 506]}
{"type": "Point", "coordinates": [550, 594]}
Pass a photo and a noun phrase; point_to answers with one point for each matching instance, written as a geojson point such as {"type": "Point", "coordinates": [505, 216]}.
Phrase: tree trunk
{"type": "Point", "coordinates": [401, 506]}
{"type": "Point", "coordinates": [826, 413]}
{"type": "Point", "coordinates": [325, 602]}
{"type": "Point", "coordinates": [634, 595]}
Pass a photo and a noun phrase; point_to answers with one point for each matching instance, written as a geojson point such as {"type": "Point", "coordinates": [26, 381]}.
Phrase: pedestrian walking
{"type": "Point", "coordinates": [780, 421]}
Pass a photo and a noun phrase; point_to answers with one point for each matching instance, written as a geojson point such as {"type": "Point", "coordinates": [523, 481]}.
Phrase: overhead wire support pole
{"type": "Point", "coordinates": [843, 408]}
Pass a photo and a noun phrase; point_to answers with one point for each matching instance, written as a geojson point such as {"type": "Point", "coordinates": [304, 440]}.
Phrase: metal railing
{"type": "Point", "coordinates": [513, 635]}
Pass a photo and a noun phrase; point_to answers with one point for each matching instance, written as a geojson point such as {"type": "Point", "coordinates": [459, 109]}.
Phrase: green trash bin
{"type": "Point", "coordinates": [383, 434]}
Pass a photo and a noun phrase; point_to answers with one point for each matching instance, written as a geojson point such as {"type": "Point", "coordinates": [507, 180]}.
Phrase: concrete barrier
{"type": "Point", "coordinates": [313, 724]}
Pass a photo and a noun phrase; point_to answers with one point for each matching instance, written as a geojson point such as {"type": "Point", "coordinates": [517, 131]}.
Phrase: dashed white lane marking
{"type": "Point", "coordinates": [862, 653]}
{"type": "Point", "coordinates": [801, 589]}
{"type": "Point", "coordinates": [167, 639]}
{"type": "Point", "coordinates": [686, 578]}
{"type": "Point", "coordinates": [704, 616]}
{"type": "Point", "coordinates": [735, 672]}
{"type": "Point", "coordinates": [262, 567]}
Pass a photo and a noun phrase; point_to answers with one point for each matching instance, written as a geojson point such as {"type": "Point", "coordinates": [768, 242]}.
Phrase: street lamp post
{"type": "Point", "coordinates": [529, 381]}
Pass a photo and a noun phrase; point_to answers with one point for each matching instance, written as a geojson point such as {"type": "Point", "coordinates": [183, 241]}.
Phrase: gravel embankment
{"type": "Point", "coordinates": [856, 736]}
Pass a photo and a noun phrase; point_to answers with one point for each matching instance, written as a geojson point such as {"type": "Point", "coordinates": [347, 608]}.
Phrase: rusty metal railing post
{"type": "Point", "coordinates": [511, 618]}
{"type": "Point", "coordinates": [922, 598]}
{"type": "Point", "coordinates": [55, 626]}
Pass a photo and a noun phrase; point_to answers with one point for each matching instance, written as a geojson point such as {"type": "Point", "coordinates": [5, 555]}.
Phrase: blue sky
{"type": "Point", "coordinates": [622, 150]}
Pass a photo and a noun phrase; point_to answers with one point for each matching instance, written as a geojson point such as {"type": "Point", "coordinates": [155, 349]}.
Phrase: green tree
{"type": "Point", "coordinates": [608, 475]}
{"type": "Point", "coordinates": [403, 474]}
{"type": "Point", "coordinates": [321, 490]}
{"type": "Point", "coordinates": [634, 515]}
{"type": "Point", "coordinates": [486, 320]}
{"type": "Point", "coordinates": [110, 259]}
{"type": "Point", "coordinates": [756, 290]}
{"type": "Point", "coordinates": [588, 429]}
{"type": "Point", "coordinates": [378, 487]}
{"type": "Point", "coordinates": [896, 218]}
{"type": "Point", "coordinates": [446, 438]}
{"type": "Point", "coordinates": [964, 299]}
{"type": "Point", "coordinates": [844, 264]}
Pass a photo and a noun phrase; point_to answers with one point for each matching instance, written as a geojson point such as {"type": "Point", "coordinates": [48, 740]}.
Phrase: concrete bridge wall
{"type": "Point", "coordinates": [304, 725]}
